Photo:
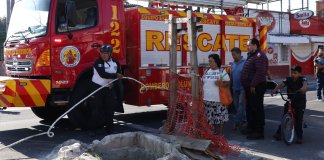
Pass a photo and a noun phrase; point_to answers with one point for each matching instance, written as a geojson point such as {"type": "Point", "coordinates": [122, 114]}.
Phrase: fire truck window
{"type": "Point", "coordinates": [72, 15]}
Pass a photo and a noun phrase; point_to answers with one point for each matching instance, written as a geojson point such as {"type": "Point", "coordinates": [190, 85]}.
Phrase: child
{"type": "Point", "coordinates": [295, 84]}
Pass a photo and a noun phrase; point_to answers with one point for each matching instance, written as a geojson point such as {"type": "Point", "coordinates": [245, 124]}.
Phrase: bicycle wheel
{"type": "Point", "coordinates": [288, 128]}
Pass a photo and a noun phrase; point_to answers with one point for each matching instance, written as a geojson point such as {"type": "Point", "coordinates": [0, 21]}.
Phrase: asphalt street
{"type": "Point", "coordinates": [18, 123]}
{"type": "Point", "coordinates": [312, 147]}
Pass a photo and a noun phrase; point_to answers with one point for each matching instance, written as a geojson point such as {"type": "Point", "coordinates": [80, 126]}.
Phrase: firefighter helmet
{"type": "Point", "coordinates": [106, 48]}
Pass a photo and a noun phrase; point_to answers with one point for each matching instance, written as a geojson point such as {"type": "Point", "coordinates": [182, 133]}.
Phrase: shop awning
{"type": "Point", "coordinates": [207, 3]}
{"type": "Point", "coordinates": [318, 39]}
{"type": "Point", "coordinates": [291, 39]}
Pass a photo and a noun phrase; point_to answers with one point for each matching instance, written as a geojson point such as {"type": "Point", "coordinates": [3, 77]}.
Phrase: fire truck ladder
{"type": "Point", "coordinates": [204, 3]}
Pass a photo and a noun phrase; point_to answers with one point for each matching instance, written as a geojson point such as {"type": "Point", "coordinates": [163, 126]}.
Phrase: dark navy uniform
{"type": "Point", "coordinates": [108, 99]}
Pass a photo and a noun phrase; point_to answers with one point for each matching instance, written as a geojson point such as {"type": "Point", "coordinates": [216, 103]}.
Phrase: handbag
{"type": "Point", "coordinates": [225, 94]}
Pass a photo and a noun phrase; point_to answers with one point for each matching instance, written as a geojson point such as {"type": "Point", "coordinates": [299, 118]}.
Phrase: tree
{"type": "Point", "coordinates": [2, 39]}
{"type": "Point", "coordinates": [3, 24]}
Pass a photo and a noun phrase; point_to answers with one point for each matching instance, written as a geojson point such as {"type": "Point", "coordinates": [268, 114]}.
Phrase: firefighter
{"type": "Point", "coordinates": [109, 99]}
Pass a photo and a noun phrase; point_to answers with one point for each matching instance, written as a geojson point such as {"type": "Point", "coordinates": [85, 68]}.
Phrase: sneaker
{"type": "Point", "coordinates": [305, 125]}
{"type": "Point", "coordinates": [277, 136]}
{"type": "Point", "coordinates": [320, 99]}
{"type": "Point", "coordinates": [299, 141]}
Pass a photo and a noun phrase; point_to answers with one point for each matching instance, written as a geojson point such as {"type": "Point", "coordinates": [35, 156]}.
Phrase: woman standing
{"type": "Point", "coordinates": [213, 78]}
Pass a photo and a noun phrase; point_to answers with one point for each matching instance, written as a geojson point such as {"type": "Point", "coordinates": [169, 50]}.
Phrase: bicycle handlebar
{"type": "Point", "coordinates": [286, 99]}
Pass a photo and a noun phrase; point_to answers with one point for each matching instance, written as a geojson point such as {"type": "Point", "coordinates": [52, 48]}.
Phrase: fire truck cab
{"type": "Point", "coordinates": [50, 49]}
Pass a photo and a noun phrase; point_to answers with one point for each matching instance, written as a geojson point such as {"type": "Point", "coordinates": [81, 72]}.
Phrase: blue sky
{"type": "Point", "coordinates": [273, 6]}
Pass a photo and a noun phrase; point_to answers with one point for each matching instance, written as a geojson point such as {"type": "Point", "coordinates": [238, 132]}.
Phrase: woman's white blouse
{"type": "Point", "coordinates": [210, 90]}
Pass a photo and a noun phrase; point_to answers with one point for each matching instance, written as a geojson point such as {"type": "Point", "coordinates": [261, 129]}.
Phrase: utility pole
{"type": "Point", "coordinates": [222, 5]}
{"type": "Point", "coordinates": [192, 47]}
{"type": "Point", "coordinates": [172, 60]}
{"type": "Point", "coordinates": [289, 9]}
{"type": "Point", "coordinates": [10, 4]}
{"type": "Point", "coordinates": [8, 14]}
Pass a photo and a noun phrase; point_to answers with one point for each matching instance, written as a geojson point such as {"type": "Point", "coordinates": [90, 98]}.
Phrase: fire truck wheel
{"type": "Point", "coordinates": [85, 115]}
{"type": "Point", "coordinates": [48, 113]}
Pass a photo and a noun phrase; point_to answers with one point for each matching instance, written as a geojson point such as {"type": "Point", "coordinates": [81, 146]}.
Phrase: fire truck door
{"type": "Point", "coordinates": [75, 40]}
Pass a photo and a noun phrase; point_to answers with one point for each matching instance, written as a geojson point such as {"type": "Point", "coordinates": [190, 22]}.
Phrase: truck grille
{"type": "Point", "coordinates": [19, 66]}
{"type": "Point", "coordinates": [21, 63]}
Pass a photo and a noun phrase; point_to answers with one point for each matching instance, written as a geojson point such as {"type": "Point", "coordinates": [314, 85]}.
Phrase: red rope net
{"type": "Point", "coordinates": [183, 120]}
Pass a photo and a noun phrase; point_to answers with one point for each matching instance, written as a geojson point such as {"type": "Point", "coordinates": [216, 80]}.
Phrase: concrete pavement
{"type": "Point", "coordinates": [313, 143]}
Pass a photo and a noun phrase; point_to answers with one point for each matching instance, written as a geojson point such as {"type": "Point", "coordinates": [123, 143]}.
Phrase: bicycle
{"type": "Point", "coordinates": [288, 121]}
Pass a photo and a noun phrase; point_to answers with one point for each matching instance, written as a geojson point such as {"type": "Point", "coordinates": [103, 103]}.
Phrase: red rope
{"type": "Point", "coordinates": [183, 121]}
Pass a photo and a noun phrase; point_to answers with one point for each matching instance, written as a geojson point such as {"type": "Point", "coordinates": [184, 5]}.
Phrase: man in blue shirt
{"type": "Point", "coordinates": [319, 72]}
{"type": "Point", "coordinates": [238, 90]}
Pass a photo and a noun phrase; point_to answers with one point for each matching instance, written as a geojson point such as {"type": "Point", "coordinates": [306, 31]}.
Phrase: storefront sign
{"type": "Point", "coordinates": [311, 26]}
{"type": "Point", "coordinates": [303, 14]}
{"type": "Point", "coordinates": [305, 23]}
{"type": "Point", "coordinates": [276, 22]}
{"type": "Point", "coordinates": [266, 19]}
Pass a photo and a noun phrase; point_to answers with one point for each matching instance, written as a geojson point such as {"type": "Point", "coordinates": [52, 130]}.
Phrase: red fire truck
{"type": "Point", "coordinates": [51, 46]}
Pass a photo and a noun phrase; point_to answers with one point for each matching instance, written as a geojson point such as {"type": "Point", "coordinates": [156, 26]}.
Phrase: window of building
{"type": "Point", "coordinates": [72, 15]}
